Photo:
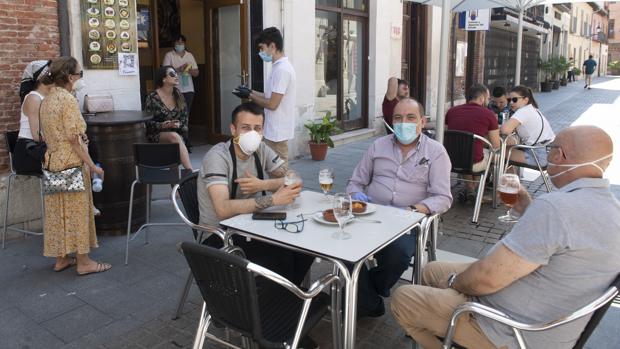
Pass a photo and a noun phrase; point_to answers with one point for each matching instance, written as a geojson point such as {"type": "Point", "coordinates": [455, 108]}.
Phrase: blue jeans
{"type": "Point", "coordinates": [392, 261]}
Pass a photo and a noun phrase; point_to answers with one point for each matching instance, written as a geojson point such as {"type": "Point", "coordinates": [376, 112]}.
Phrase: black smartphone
{"type": "Point", "coordinates": [269, 216]}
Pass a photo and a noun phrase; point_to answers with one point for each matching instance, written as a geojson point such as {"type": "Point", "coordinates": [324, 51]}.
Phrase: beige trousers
{"type": "Point", "coordinates": [281, 148]}
{"type": "Point", "coordinates": [425, 311]}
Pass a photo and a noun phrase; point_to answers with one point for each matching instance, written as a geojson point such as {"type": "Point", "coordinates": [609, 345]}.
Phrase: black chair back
{"type": "Point", "coordinates": [227, 287]}
{"type": "Point", "coordinates": [460, 148]}
{"type": "Point", "coordinates": [11, 139]}
{"type": "Point", "coordinates": [188, 192]}
{"type": "Point", "coordinates": [596, 318]}
{"type": "Point", "coordinates": [157, 163]}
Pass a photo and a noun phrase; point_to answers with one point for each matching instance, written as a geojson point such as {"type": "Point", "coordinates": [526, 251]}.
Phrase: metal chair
{"type": "Point", "coordinates": [460, 148]}
{"type": "Point", "coordinates": [187, 192]}
{"type": "Point", "coordinates": [254, 301]}
{"type": "Point", "coordinates": [597, 308]}
{"type": "Point", "coordinates": [426, 244]}
{"type": "Point", "coordinates": [538, 167]}
{"type": "Point", "coordinates": [155, 164]}
{"type": "Point", "coordinates": [11, 141]}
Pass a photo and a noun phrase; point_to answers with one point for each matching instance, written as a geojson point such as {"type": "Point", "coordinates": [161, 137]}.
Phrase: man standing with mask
{"type": "Point", "coordinates": [537, 273]}
{"type": "Point", "coordinates": [280, 97]}
{"type": "Point", "coordinates": [243, 175]}
{"type": "Point", "coordinates": [408, 170]}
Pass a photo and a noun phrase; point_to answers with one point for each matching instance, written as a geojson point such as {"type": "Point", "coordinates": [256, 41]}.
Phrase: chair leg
{"type": "Point", "coordinates": [129, 221]}
{"type": "Point", "coordinates": [335, 312]}
{"type": "Point", "coordinates": [479, 196]}
{"type": "Point", "coordinates": [417, 265]}
{"type": "Point", "coordinates": [183, 295]}
{"type": "Point", "coordinates": [6, 207]}
{"type": "Point", "coordinates": [432, 251]}
{"type": "Point", "coordinates": [203, 326]}
{"type": "Point", "coordinates": [546, 180]}
{"type": "Point", "coordinates": [148, 212]}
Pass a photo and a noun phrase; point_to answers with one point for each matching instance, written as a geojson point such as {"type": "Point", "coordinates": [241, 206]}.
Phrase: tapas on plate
{"type": "Point", "coordinates": [95, 59]}
{"type": "Point", "coordinates": [109, 23]}
{"type": "Point", "coordinates": [111, 47]}
{"type": "Point", "coordinates": [94, 46]}
{"type": "Point", "coordinates": [124, 35]}
{"type": "Point", "coordinates": [124, 24]}
{"type": "Point", "coordinates": [108, 12]}
{"type": "Point", "coordinates": [93, 11]}
{"type": "Point", "coordinates": [110, 34]}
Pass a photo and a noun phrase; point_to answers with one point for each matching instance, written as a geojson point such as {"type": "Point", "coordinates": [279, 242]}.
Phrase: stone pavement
{"type": "Point", "coordinates": [130, 307]}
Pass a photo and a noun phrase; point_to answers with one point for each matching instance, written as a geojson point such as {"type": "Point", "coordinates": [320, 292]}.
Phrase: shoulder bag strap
{"type": "Point", "coordinates": [542, 127]}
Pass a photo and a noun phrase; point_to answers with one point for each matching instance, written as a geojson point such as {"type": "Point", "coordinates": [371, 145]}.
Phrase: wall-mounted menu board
{"type": "Point", "coordinates": [108, 28]}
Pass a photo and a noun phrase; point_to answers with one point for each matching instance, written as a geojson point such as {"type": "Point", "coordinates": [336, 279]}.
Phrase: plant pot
{"type": "Point", "coordinates": [555, 84]}
{"type": "Point", "coordinates": [563, 82]}
{"type": "Point", "coordinates": [318, 151]}
{"type": "Point", "coordinates": [545, 86]}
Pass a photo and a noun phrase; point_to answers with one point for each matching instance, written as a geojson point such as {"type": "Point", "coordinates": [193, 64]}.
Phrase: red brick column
{"type": "Point", "coordinates": [28, 31]}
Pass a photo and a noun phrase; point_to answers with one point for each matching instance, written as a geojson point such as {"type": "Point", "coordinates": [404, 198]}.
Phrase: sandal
{"type": "Point", "coordinates": [72, 262]}
{"type": "Point", "coordinates": [101, 267]}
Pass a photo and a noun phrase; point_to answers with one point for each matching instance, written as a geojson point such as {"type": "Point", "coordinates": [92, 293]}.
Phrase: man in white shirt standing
{"type": "Point", "coordinates": [280, 96]}
{"type": "Point", "coordinates": [185, 65]}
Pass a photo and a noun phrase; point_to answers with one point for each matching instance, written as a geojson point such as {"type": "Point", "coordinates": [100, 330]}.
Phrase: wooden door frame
{"type": "Point", "coordinates": [213, 134]}
{"type": "Point", "coordinates": [418, 48]}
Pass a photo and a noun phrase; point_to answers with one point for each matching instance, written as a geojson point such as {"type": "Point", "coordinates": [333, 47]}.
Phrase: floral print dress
{"type": "Point", "coordinates": [69, 218]}
{"type": "Point", "coordinates": [161, 114]}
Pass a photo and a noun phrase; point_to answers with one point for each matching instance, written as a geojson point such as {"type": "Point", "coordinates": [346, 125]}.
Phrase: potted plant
{"type": "Point", "coordinates": [576, 72]}
{"type": "Point", "coordinates": [320, 133]}
{"type": "Point", "coordinates": [563, 66]}
{"type": "Point", "coordinates": [614, 67]}
{"type": "Point", "coordinates": [545, 69]}
{"type": "Point", "coordinates": [555, 72]}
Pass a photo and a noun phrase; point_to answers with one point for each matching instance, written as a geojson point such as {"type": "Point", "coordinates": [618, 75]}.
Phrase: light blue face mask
{"type": "Point", "coordinates": [406, 132]}
{"type": "Point", "coordinates": [179, 48]}
{"type": "Point", "coordinates": [265, 56]}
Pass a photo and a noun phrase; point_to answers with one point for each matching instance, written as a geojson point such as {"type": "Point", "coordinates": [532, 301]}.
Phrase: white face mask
{"type": "Point", "coordinates": [249, 142]}
{"type": "Point", "coordinates": [574, 166]}
{"type": "Point", "coordinates": [79, 85]}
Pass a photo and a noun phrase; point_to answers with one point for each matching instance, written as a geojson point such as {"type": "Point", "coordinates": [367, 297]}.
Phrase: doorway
{"type": "Point", "coordinates": [413, 62]}
{"type": "Point", "coordinates": [218, 35]}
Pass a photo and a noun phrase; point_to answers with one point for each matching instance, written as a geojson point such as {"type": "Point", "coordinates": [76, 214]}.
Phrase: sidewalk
{"type": "Point", "coordinates": [130, 307]}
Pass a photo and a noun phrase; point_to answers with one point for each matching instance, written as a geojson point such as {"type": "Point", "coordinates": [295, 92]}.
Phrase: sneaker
{"type": "Point", "coordinates": [585, 86]}
{"type": "Point", "coordinates": [589, 88]}
{"type": "Point", "coordinates": [378, 311]}
{"type": "Point", "coordinates": [462, 196]}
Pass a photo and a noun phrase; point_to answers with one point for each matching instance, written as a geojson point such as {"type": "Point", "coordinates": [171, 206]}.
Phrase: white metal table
{"type": "Point", "coordinates": [316, 239]}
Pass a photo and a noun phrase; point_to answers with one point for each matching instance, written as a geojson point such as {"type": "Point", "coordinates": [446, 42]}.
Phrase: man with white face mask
{"type": "Point", "coordinates": [561, 255]}
{"type": "Point", "coordinates": [244, 175]}
{"type": "Point", "coordinates": [406, 169]}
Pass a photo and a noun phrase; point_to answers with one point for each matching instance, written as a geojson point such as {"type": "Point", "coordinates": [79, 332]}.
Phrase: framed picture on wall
{"type": "Point", "coordinates": [143, 19]}
{"type": "Point", "coordinates": [169, 21]}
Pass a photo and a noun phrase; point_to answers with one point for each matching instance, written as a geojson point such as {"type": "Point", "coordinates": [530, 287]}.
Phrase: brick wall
{"type": "Point", "coordinates": [476, 57]}
{"type": "Point", "coordinates": [28, 31]}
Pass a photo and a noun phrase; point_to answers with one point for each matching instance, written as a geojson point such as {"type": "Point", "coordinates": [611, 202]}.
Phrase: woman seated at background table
{"type": "Point", "coordinates": [530, 125]}
{"type": "Point", "coordinates": [167, 104]}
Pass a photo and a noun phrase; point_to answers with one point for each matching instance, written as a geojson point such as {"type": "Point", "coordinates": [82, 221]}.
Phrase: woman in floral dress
{"type": "Point", "coordinates": [69, 221]}
{"type": "Point", "coordinates": [169, 123]}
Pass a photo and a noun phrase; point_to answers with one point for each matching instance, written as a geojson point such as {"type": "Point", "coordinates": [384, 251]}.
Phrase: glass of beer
{"type": "Point", "coordinates": [292, 178]}
{"type": "Point", "coordinates": [326, 180]}
{"type": "Point", "coordinates": [509, 194]}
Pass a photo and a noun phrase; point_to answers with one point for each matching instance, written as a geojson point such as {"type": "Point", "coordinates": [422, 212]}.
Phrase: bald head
{"type": "Point", "coordinates": [585, 143]}
{"type": "Point", "coordinates": [408, 106]}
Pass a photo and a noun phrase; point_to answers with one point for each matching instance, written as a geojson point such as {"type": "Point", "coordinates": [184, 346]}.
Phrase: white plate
{"type": "Point", "coordinates": [370, 208]}
{"type": "Point", "coordinates": [319, 218]}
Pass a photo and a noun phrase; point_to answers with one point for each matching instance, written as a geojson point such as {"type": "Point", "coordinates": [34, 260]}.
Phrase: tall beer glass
{"type": "Point", "coordinates": [508, 189]}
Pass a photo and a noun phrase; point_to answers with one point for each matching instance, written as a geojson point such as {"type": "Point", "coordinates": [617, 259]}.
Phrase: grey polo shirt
{"type": "Point", "coordinates": [217, 168]}
{"type": "Point", "coordinates": [574, 234]}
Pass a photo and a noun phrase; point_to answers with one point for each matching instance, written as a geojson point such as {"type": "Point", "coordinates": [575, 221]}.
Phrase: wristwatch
{"type": "Point", "coordinates": [451, 279]}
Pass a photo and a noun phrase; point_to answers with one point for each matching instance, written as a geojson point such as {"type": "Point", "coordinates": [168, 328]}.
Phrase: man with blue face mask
{"type": "Point", "coordinates": [559, 256]}
{"type": "Point", "coordinates": [406, 169]}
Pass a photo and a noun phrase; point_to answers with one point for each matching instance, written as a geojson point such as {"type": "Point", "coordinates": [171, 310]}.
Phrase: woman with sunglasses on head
{"type": "Point", "coordinates": [169, 123]}
{"type": "Point", "coordinates": [35, 85]}
{"type": "Point", "coordinates": [530, 125]}
{"type": "Point", "coordinates": [69, 218]}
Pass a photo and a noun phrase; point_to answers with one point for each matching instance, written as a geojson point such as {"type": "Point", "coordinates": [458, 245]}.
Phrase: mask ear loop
{"type": "Point", "coordinates": [386, 124]}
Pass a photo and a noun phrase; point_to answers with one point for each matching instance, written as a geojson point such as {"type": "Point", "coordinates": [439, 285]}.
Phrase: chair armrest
{"type": "Point", "coordinates": [205, 228]}
{"type": "Point", "coordinates": [524, 146]}
{"type": "Point", "coordinates": [485, 142]}
{"type": "Point", "coordinates": [315, 289]}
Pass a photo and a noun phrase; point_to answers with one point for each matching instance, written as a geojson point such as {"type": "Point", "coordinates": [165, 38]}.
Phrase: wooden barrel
{"type": "Point", "coordinates": [113, 135]}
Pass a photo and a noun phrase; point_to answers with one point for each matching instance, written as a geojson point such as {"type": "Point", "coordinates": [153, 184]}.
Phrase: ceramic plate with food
{"type": "Point", "coordinates": [110, 34]}
{"type": "Point", "coordinates": [111, 47]}
{"type": "Point", "coordinates": [95, 59]}
{"type": "Point", "coordinates": [125, 35]}
{"type": "Point", "coordinates": [93, 22]}
{"type": "Point", "coordinates": [125, 47]}
{"type": "Point", "coordinates": [93, 34]}
{"type": "Point", "coordinates": [108, 12]}
{"type": "Point", "coordinates": [327, 217]}
{"type": "Point", "coordinates": [123, 13]}
{"type": "Point", "coordinates": [93, 11]}
{"type": "Point", "coordinates": [108, 2]}
{"type": "Point", "coordinates": [109, 23]}
{"type": "Point", "coordinates": [123, 3]}
{"type": "Point", "coordinates": [360, 209]}
{"type": "Point", "coordinates": [94, 46]}
{"type": "Point", "coordinates": [124, 24]}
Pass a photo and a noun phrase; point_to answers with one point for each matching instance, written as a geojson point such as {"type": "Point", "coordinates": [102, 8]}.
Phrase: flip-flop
{"type": "Point", "coordinates": [101, 267]}
{"type": "Point", "coordinates": [69, 265]}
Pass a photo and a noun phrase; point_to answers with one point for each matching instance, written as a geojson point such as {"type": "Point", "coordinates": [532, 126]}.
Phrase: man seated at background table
{"type": "Point", "coordinates": [474, 117]}
{"type": "Point", "coordinates": [408, 170]}
{"type": "Point", "coordinates": [230, 183]}
{"type": "Point", "coordinates": [499, 103]}
{"type": "Point", "coordinates": [557, 258]}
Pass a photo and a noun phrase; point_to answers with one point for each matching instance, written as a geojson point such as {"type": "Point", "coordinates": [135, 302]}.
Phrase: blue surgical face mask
{"type": "Point", "coordinates": [265, 56]}
{"type": "Point", "coordinates": [406, 132]}
{"type": "Point", "coordinates": [179, 48]}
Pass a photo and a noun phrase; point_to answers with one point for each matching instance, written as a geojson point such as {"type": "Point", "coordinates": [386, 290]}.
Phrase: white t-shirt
{"type": "Point", "coordinates": [280, 123]}
{"type": "Point", "coordinates": [24, 122]}
{"type": "Point", "coordinates": [172, 58]}
{"type": "Point", "coordinates": [531, 123]}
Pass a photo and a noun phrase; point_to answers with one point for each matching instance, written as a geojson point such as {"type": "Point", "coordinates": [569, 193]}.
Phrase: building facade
{"type": "Point", "coordinates": [613, 34]}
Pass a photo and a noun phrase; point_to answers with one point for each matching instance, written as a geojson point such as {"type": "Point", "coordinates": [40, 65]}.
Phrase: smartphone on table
{"type": "Point", "coordinates": [269, 216]}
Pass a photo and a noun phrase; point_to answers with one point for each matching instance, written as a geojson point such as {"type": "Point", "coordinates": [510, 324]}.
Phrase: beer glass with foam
{"type": "Point", "coordinates": [508, 189]}
{"type": "Point", "coordinates": [326, 180]}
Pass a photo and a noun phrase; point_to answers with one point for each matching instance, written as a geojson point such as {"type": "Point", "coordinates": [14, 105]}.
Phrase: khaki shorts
{"type": "Point", "coordinates": [281, 148]}
{"type": "Point", "coordinates": [481, 166]}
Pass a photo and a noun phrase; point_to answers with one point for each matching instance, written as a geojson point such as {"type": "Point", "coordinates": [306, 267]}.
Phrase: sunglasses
{"type": "Point", "coordinates": [172, 74]}
{"type": "Point", "coordinates": [81, 74]}
{"type": "Point", "coordinates": [514, 99]}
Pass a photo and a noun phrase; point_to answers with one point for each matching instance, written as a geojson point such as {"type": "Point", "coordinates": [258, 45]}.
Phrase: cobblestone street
{"type": "Point", "coordinates": [131, 307]}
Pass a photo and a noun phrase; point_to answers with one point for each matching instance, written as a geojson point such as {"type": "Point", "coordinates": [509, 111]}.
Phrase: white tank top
{"type": "Point", "coordinates": [24, 124]}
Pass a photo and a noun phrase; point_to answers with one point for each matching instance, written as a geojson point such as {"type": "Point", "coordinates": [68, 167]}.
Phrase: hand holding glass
{"type": "Point", "coordinates": [342, 213]}
{"type": "Point", "coordinates": [508, 189]}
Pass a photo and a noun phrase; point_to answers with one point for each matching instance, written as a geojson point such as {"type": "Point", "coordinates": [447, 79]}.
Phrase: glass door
{"type": "Point", "coordinates": [227, 56]}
